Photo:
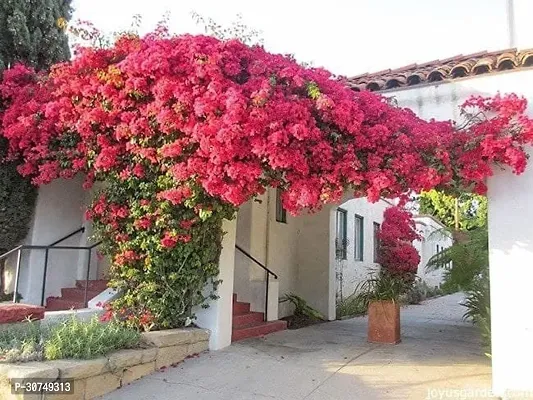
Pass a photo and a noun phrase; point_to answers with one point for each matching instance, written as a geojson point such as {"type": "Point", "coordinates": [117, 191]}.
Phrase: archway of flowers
{"type": "Point", "coordinates": [183, 130]}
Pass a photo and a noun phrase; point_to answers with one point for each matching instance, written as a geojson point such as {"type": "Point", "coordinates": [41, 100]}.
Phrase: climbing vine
{"type": "Point", "coordinates": [181, 130]}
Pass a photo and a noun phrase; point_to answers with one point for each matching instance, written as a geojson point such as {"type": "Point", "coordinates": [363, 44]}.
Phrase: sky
{"type": "Point", "coordinates": [347, 37]}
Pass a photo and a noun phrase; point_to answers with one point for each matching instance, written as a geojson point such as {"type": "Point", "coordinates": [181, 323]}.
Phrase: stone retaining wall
{"type": "Point", "coordinates": [93, 378]}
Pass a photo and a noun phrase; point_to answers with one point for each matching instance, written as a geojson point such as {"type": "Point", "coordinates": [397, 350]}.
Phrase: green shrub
{"type": "Point", "coordinates": [77, 339]}
{"type": "Point", "coordinates": [301, 308]}
{"type": "Point", "coordinates": [72, 338]}
{"type": "Point", "coordinates": [351, 306]}
{"type": "Point", "coordinates": [478, 308]}
{"type": "Point", "coordinates": [383, 286]}
{"type": "Point", "coordinates": [21, 342]}
{"type": "Point", "coordinates": [421, 291]}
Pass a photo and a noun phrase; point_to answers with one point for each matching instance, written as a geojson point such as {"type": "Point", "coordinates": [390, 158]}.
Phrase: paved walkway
{"type": "Point", "coordinates": [333, 361]}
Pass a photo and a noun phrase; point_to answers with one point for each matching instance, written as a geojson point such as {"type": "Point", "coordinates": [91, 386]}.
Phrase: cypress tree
{"type": "Point", "coordinates": [32, 32]}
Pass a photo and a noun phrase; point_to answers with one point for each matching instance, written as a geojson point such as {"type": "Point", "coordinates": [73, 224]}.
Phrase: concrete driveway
{"type": "Point", "coordinates": [439, 358]}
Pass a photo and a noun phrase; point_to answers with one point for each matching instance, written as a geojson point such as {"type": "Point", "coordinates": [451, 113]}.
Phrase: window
{"type": "Point", "coordinates": [439, 249]}
{"type": "Point", "coordinates": [281, 213]}
{"type": "Point", "coordinates": [376, 241]}
{"type": "Point", "coordinates": [358, 238]}
{"type": "Point", "coordinates": [340, 239]}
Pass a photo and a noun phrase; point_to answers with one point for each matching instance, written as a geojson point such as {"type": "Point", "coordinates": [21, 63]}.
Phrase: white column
{"type": "Point", "coordinates": [511, 276]}
{"type": "Point", "coordinates": [218, 317]}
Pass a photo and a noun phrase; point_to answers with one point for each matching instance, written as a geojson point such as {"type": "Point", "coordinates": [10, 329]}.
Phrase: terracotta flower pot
{"type": "Point", "coordinates": [384, 322]}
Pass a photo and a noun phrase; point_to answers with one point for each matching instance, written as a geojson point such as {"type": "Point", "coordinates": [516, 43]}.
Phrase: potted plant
{"type": "Point", "coordinates": [382, 292]}
{"type": "Point", "coordinates": [399, 261]}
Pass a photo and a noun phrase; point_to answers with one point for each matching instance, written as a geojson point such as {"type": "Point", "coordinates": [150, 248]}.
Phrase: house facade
{"type": "Point", "coordinates": [436, 90]}
{"type": "Point", "coordinates": [320, 257]}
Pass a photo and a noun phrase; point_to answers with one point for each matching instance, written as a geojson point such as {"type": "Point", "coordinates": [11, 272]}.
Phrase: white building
{"type": "Point", "coordinates": [436, 90]}
{"type": "Point", "coordinates": [434, 238]}
{"type": "Point", "coordinates": [305, 255]}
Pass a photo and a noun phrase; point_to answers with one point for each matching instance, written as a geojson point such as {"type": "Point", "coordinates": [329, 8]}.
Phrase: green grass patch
{"type": "Point", "coordinates": [73, 338]}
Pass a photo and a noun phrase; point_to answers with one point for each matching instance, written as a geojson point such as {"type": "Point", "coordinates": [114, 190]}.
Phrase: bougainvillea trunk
{"type": "Point", "coordinates": [182, 130]}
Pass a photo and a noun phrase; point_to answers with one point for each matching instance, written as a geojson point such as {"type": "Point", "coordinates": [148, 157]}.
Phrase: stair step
{"type": "Point", "coordinates": [242, 320]}
{"type": "Point", "coordinates": [58, 304]}
{"type": "Point", "coordinates": [257, 329]}
{"type": "Point", "coordinates": [240, 308]}
{"type": "Point", "coordinates": [77, 294]}
{"type": "Point", "coordinates": [98, 284]}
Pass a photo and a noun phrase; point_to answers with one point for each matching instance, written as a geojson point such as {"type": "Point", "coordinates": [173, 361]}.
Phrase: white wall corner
{"type": "Point", "coordinates": [273, 300]}
{"type": "Point", "coordinates": [218, 316]}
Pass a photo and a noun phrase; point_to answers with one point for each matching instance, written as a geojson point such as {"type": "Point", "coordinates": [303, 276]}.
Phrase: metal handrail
{"type": "Point", "coordinates": [267, 277]}
{"type": "Point", "coordinates": [23, 246]}
{"type": "Point", "coordinates": [47, 248]}
{"type": "Point", "coordinates": [79, 230]}
{"type": "Point", "coordinates": [255, 260]}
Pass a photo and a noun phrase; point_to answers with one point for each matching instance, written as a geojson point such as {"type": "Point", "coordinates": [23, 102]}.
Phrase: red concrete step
{"type": "Point", "coordinates": [247, 319]}
{"type": "Point", "coordinates": [58, 304]}
{"type": "Point", "coordinates": [97, 285]}
{"type": "Point", "coordinates": [77, 294]}
{"type": "Point", "coordinates": [240, 308]}
{"type": "Point", "coordinates": [257, 329]}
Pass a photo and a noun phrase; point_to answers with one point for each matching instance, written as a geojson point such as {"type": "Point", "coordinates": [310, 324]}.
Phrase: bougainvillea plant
{"type": "Point", "coordinates": [397, 254]}
{"type": "Point", "coordinates": [180, 131]}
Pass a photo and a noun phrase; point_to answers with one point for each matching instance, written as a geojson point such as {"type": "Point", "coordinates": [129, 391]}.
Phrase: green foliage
{"type": "Point", "coordinates": [301, 308]}
{"type": "Point", "coordinates": [160, 291]}
{"type": "Point", "coordinates": [21, 342]}
{"type": "Point", "coordinates": [421, 291]}
{"type": "Point", "coordinates": [351, 306]}
{"type": "Point", "coordinates": [382, 286]}
{"type": "Point", "coordinates": [472, 209]}
{"type": "Point", "coordinates": [478, 308]}
{"type": "Point", "coordinates": [464, 260]}
{"type": "Point", "coordinates": [32, 32]}
{"type": "Point", "coordinates": [17, 202]}
{"type": "Point", "coordinates": [466, 268]}
{"type": "Point", "coordinates": [85, 340]}
{"type": "Point", "coordinates": [72, 338]}
{"type": "Point", "coordinates": [17, 199]}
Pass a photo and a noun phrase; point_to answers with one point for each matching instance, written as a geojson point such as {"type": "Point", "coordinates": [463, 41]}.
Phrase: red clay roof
{"type": "Point", "coordinates": [448, 69]}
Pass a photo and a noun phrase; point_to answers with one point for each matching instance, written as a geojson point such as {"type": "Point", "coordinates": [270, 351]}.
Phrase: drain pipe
{"type": "Point", "coordinates": [511, 23]}
{"type": "Point", "coordinates": [267, 248]}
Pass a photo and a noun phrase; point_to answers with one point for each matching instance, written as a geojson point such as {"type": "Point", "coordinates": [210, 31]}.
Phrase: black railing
{"type": "Point", "coordinates": [267, 275]}
{"type": "Point", "coordinates": [47, 248]}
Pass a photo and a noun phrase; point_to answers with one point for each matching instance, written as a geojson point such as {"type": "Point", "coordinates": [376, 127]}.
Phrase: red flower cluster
{"type": "Point", "coordinates": [398, 231]}
{"type": "Point", "coordinates": [186, 128]}
{"type": "Point", "coordinates": [236, 119]}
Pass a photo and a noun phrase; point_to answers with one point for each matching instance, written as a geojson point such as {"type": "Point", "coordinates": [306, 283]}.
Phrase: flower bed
{"type": "Point", "coordinates": [96, 377]}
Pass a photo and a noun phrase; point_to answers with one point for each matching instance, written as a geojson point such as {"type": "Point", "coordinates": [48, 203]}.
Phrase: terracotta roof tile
{"type": "Point", "coordinates": [459, 66]}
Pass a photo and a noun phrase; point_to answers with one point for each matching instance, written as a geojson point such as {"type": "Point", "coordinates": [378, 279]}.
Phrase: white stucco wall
{"type": "Point", "coordinates": [350, 272]}
{"type": "Point", "coordinates": [273, 244]}
{"type": "Point", "coordinates": [432, 234]}
{"type": "Point", "coordinates": [511, 271]}
{"type": "Point", "coordinates": [58, 212]}
{"type": "Point", "coordinates": [510, 229]}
